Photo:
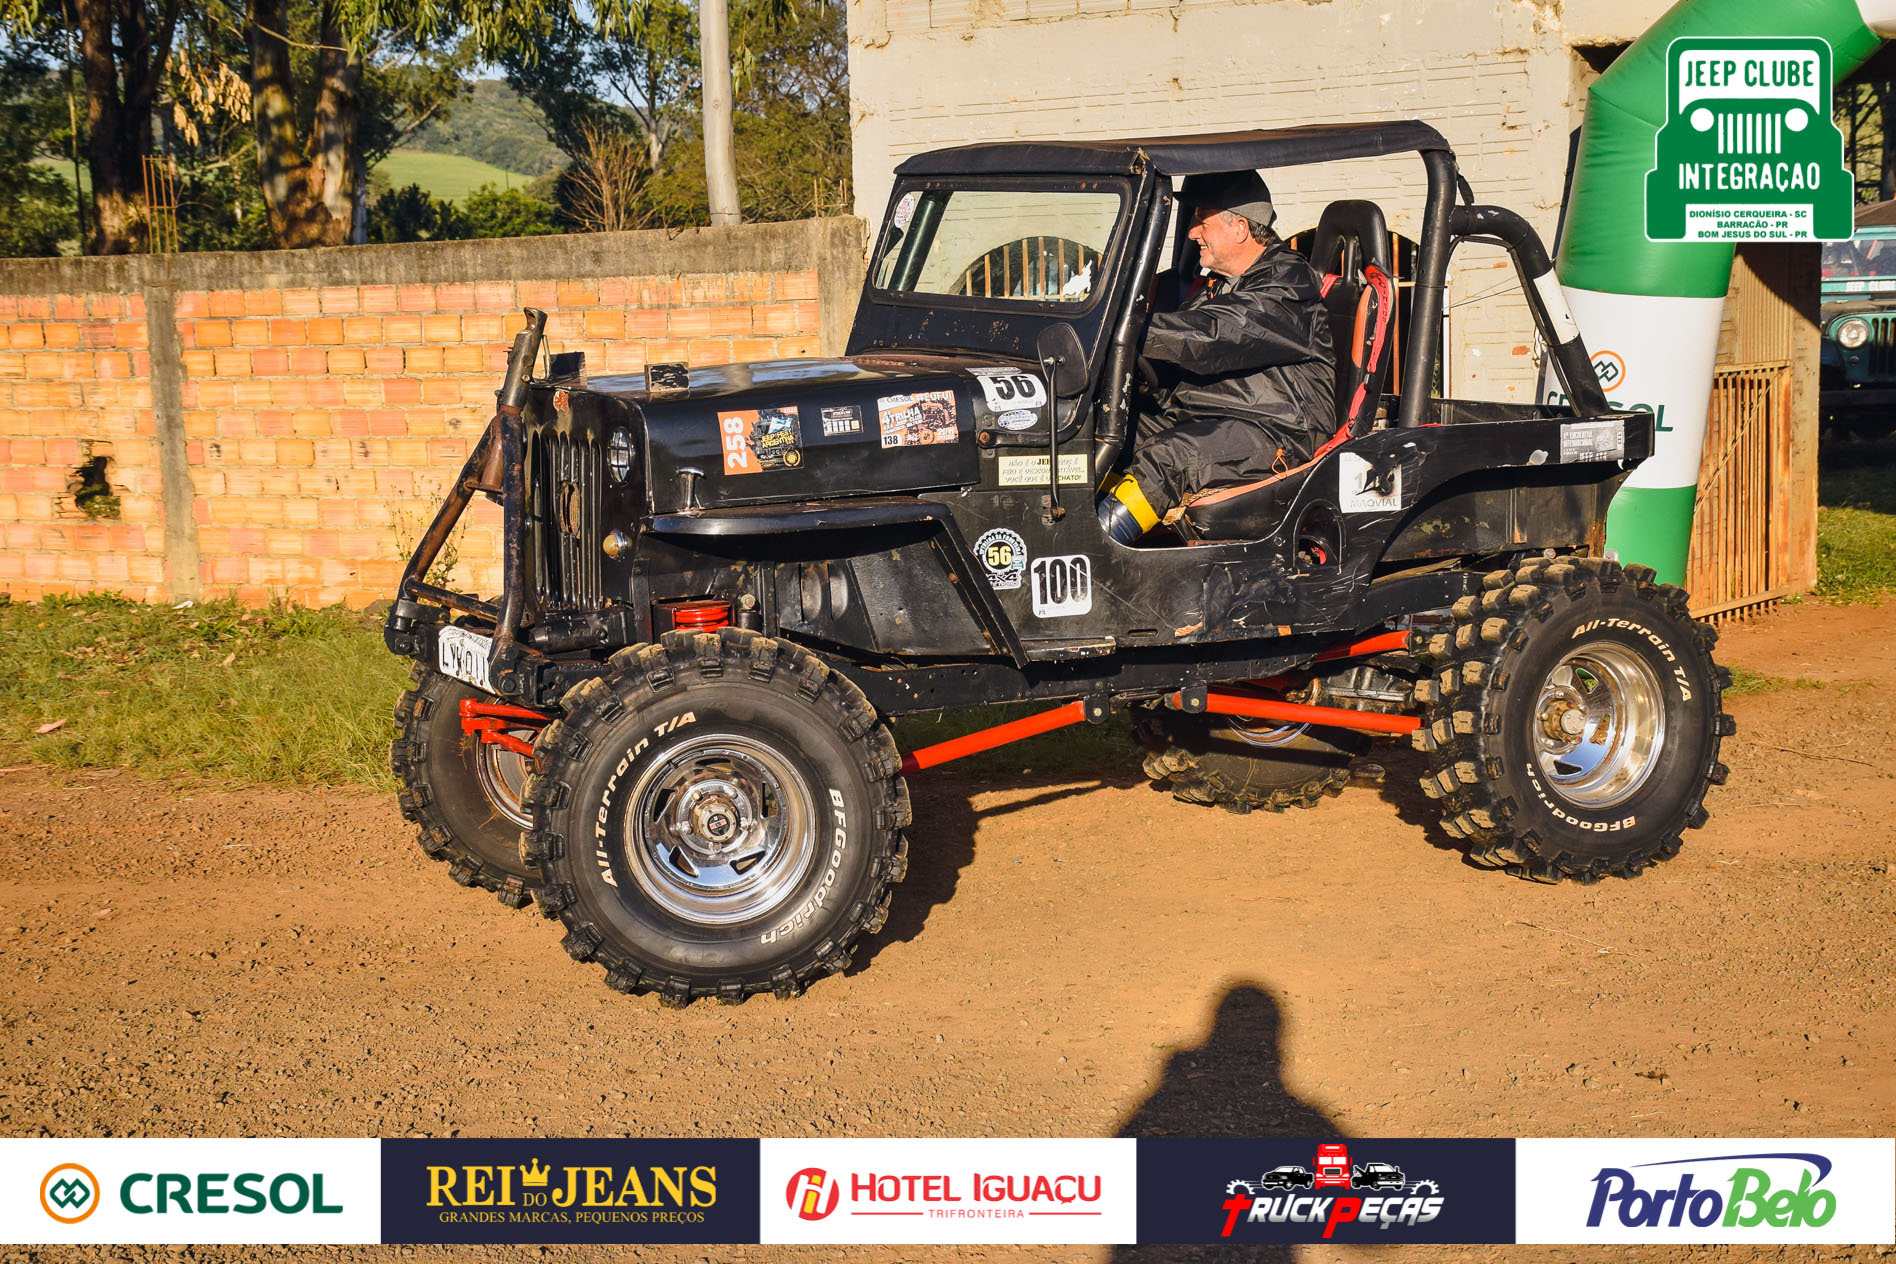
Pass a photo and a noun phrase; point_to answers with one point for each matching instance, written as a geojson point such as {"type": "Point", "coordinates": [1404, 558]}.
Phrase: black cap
{"type": "Point", "coordinates": [1242, 192]}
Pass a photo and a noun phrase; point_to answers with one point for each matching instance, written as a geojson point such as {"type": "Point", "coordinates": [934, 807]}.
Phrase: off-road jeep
{"type": "Point", "coordinates": [670, 728]}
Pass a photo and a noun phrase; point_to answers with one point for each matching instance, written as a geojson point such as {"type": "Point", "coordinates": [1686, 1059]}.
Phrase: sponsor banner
{"type": "Point", "coordinates": [1727, 1190]}
{"type": "Point", "coordinates": [1001, 1190]}
{"type": "Point", "coordinates": [166, 1190]}
{"type": "Point", "coordinates": [1353, 1191]}
{"type": "Point", "coordinates": [465, 1190]}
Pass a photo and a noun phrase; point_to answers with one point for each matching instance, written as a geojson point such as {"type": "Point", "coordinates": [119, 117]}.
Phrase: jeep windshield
{"type": "Point", "coordinates": [1867, 262]}
{"type": "Point", "coordinates": [1006, 246]}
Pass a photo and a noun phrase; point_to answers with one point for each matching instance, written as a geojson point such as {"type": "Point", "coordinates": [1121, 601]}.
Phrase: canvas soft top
{"type": "Point", "coordinates": [1181, 155]}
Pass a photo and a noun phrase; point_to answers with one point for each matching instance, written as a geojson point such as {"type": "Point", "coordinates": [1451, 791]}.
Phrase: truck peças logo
{"type": "Point", "coordinates": [534, 1192]}
{"type": "Point", "coordinates": [1748, 151]}
{"type": "Point", "coordinates": [1383, 1195]}
{"type": "Point", "coordinates": [1748, 1200]}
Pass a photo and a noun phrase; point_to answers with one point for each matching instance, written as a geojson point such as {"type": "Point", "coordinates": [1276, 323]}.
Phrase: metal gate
{"type": "Point", "coordinates": [1741, 524]}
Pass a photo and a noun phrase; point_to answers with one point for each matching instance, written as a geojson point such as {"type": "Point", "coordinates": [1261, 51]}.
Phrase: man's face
{"type": "Point", "coordinates": [1224, 241]}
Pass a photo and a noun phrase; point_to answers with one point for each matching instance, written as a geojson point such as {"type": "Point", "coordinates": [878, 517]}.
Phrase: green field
{"type": "Point", "coordinates": [445, 177]}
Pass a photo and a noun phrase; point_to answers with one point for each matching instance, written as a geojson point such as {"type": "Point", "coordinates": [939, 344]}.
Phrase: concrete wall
{"type": "Point", "coordinates": [284, 423]}
{"type": "Point", "coordinates": [1499, 78]}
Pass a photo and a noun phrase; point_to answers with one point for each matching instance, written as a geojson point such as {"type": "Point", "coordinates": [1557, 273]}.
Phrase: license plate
{"type": "Point", "coordinates": [463, 655]}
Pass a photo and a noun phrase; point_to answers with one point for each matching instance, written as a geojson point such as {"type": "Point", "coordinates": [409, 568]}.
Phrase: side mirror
{"type": "Point", "coordinates": [1063, 360]}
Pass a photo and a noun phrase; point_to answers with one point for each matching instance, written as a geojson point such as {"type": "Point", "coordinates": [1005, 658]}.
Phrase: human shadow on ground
{"type": "Point", "coordinates": [941, 843]}
{"type": "Point", "coordinates": [1230, 1086]}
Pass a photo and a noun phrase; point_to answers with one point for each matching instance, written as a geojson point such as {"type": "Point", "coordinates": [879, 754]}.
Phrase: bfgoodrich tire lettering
{"type": "Point", "coordinates": [1572, 720]}
{"type": "Point", "coordinates": [444, 790]}
{"type": "Point", "coordinates": [718, 816]}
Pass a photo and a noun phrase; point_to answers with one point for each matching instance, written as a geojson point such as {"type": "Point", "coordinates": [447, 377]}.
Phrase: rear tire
{"type": "Point", "coordinates": [462, 793]}
{"type": "Point", "coordinates": [719, 815]}
{"type": "Point", "coordinates": [1572, 720]}
{"type": "Point", "coordinates": [1242, 765]}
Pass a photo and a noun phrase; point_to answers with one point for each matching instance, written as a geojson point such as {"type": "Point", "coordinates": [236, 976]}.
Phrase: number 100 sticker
{"type": "Point", "coordinates": [1062, 586]}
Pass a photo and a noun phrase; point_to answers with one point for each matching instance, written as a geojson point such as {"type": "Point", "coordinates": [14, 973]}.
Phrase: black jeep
{"type": "Point", "coordinates": [670, 727]}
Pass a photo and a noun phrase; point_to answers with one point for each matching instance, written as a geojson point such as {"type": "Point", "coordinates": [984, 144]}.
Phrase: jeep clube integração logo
{"type": "Point", "coordinates": [1682, 1193]}
{"type": "Point", "coordinates": [1748, 151]}
{"type": "Point", "coordinates": [1377, 1193]}
{"type": "Point", "coordinates": [535, 1193]}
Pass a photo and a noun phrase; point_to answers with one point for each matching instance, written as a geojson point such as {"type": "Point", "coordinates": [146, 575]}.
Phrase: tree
{"type": "Point", "coordinates": [36, 204]}
{"type": "Point", "coordinates": [312, 160]}
{"type": "Point", "coordinates": [123, 47]}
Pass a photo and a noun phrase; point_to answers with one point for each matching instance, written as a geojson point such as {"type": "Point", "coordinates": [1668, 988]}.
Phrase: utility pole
{"type": "Point", "coordinates": [720, 163]}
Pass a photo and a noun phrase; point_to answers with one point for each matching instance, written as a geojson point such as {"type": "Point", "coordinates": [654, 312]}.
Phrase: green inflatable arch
{"type": "Point", "coordinates": [1650, 311]}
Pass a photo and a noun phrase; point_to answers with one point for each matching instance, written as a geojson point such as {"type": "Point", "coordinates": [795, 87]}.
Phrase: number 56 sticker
{"type": "Point", "coordinates": [1062, 586]}
{"type": "Point", "coordinates": [1008, 389]}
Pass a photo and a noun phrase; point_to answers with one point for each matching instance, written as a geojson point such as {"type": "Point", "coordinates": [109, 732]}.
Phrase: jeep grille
{"type": "Point", "coordinates": [568, 484]}
{"type": "Point", "coordinates": [1879, 353]}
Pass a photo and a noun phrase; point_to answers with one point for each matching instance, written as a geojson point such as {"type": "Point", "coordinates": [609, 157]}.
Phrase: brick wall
{"type": "Point", "coordinates": [310, 408]}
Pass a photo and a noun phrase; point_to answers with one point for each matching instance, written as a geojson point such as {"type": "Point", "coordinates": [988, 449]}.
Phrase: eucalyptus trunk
{"type": "Point", "coordinates": [309, 183]}
{"type": "Point", "coordinates": [123, 48]}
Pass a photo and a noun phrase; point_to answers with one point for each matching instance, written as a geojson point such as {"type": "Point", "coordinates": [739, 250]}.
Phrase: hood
{"type": "Point", "coordinates": [784, 430]}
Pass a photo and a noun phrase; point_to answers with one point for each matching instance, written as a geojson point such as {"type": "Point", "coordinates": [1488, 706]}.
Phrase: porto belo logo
{"type": "Point", "coordinates": [1687, 1193]}
{"type": "Point", "coordinates": [69, 1193]}
{"type": "Point", "coordinates": [1370, 1192]}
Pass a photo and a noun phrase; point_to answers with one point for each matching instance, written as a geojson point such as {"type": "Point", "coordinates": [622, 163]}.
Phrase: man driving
{"type": "Point", "coordinates": [1254, 385]}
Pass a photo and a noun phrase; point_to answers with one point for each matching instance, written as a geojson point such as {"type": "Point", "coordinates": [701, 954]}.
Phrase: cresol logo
{"type": "Point", "coordinates": [1748, 1200]}
{"type": "Point", "coordinates": [69, 1193]}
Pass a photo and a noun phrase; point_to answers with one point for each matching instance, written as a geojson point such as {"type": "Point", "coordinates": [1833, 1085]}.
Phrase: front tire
{"type": "Point", "coordinates": [464, 794]}
{"type": "Point", "coordinates": [719, 815]}
{"type": "Point", "coordinates": [1572, 720]}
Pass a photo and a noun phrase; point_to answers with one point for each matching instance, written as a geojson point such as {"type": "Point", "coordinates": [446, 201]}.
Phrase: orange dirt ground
{"type": "Point", "coordinates": [1071, 958]}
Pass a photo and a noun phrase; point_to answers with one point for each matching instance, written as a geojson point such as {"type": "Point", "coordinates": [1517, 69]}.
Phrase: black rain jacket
{"type": "Point", "coordinates": [1254, 347]}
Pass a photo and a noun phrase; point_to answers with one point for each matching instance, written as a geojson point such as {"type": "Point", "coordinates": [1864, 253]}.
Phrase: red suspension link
{"type": "Point", "coordinates": [492, 720]}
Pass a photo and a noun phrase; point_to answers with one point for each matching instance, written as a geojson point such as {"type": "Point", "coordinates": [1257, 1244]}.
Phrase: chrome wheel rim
{"type": "Point", "coordinates": [721, 830]}
{"type": "Point", "coordinates": [503, 776]}
{"type": "Point", "coordinates": [1599, 725]}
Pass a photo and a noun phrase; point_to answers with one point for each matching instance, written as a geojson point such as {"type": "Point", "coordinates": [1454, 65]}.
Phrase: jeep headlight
{"type": "Point", "coordinates": [1853, 332]}
{"type": "Point", "coordinates": [619, 455]}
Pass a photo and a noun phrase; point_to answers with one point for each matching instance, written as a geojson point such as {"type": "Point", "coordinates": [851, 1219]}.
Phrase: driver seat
{"type": "Point", "coordinates": [1351, 251]}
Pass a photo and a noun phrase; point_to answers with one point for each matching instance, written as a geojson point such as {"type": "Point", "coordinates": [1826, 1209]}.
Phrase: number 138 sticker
{"type": "Point", "coordinates": [1062, 586]}
{"type": "Point", "coordinates": [1008, 389]}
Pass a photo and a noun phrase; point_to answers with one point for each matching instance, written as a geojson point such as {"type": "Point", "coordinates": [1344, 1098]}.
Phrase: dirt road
{"type": "Point", "coordinates": [1067, 959]}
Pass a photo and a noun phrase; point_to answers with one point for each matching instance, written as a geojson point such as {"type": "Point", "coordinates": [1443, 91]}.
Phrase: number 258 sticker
{"type": "Point", "coordinates": [1062, 586]}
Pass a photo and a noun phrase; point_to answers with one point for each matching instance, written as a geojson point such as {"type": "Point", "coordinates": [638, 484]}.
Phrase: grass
{"type": "Point", "coordinates": [299, 696]}
{"type": "Point", "coordinates": [445, 177]}
{"type": "Point", "coordinates": [283, 694]}
{"type": "Point", "coordinates": [1856, 521]}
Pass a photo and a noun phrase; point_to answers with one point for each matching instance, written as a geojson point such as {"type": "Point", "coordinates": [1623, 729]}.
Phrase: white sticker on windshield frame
{"type": "Point", "coordinates": [1008, 389]}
